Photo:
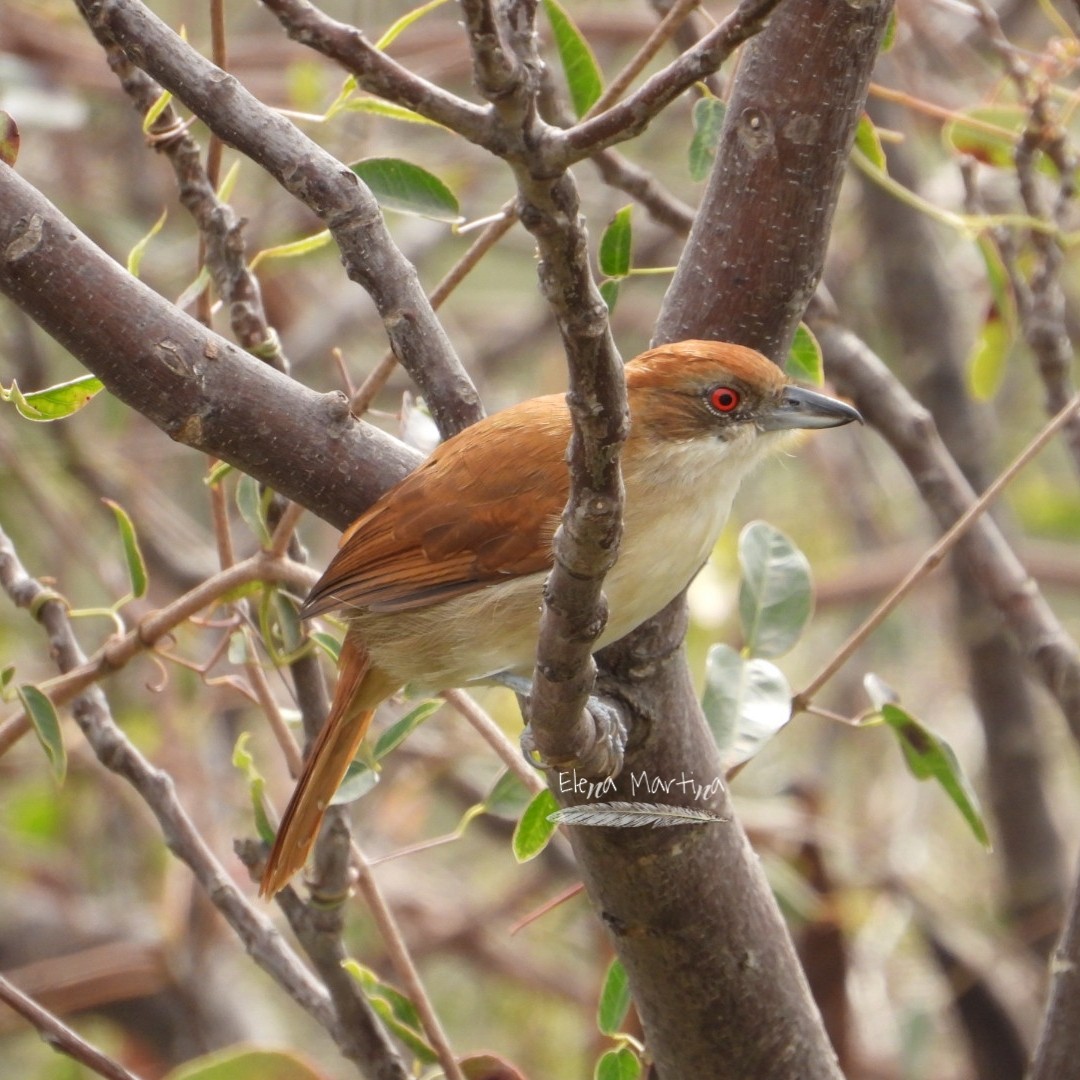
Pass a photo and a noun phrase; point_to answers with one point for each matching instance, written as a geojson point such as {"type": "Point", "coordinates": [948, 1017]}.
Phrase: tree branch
{"type": "Point", "coordinates": [633, 114]}
{"type": "Point", "coordinates": [197, 387]}
{"type": "Point", "coordinates": [320, 182]}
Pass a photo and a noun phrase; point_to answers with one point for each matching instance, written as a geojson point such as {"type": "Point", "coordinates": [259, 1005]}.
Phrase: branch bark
{"type": "Point", "coordinates": [197, 387]}
{"type": "Point", "coordinates": [317, 179]}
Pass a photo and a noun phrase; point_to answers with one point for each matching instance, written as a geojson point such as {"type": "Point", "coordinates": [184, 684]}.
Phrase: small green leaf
{"type": "Point", "coordinates": [328, 643]}
{"type": "Point", "coordinates": [252, 507]}
{"type": "Point", "coordinates": [533, 829]}
{"type": "Point", "coordinates": [228, 181]}
{"type": "Point", "coordinates": [55, 402]}
{"type": "Point", "coordinates": [155, 110]}
{"type": "Point", "coordinates": [401, 729]}
{"type": "Point", "coordinates": [7, 674]}
{"type": "Point", "coordinates": [405, 21]}
{"type": "Point", "coordinates": [614, 999]}
{"type": "Point", "coordinates": [360, 778]}
{"type": "Point", "coordinates": [888, 40]}
{"type": "Point", "coordinates": [609, 293]}
{"type": "Point", "coordinates": [135, 256]}
{"type": "Point", "coordinates": [408, 189]}
{"type": "Point", "coordinates": [9, 139]}
{"type": "Point", "coordinates": [245, 763]}
{"type": "Point", "coordinates": [396, 1010]}
{"type": "Point", "coordinates": [508, 796]}
{"type": "Point", "coordinates": [42, 715]}
{"type": "Point", "coordinates": [373, 106]}
{"type": "Point", "coordinates": [868, 141]}
{"type": "Point", "coordinates": [708, 117]}
{"type": "Point", "coordinates": [997, 276]}
{"type": "Point", "coordinates": [775, 594]}
{"type": "Point", "coordinates": [304, 246]}
{"type": "Point", "coordinates": [578, 62]}
{"type": "Point", "coordinates": [746, 702]}
{"type": "Point", "coordinates": [136, 564]}
{"type": "Point", "coordinates": [280, 627]}
{"type": "Point", "coordinates": [929, 756]}
{"type": "Point", "coordinates": [620, 1064]}
{"type": "Point", "coordinates": [804, 360]}
{"type": "Point", "coordinates": [988, 133]}
{"type": "Point", "coordinates": [986, 363]}
{"type": "Point", "coordinates": [615, 245]}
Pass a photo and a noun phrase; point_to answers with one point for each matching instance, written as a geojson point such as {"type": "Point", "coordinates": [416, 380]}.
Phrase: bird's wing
{"type": "Point", "coordinates": [461, 521]}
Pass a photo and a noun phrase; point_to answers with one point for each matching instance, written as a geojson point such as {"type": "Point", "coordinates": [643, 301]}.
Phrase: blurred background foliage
{"type": "Point", "coordinates": [898, 911]}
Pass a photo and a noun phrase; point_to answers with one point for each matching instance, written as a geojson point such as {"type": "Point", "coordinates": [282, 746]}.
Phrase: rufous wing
{"type": "Point", "coordinates": [461, 521]}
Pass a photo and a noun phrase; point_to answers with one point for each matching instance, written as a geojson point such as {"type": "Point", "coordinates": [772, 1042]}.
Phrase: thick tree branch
{"type": "Point", "coordinates": [198, 388]}
{"type": "Point", "coordinates": [317, 179]}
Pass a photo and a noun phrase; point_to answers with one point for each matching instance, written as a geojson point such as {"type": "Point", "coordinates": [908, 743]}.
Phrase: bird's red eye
{"type": "Point", "coordinates": [723, 399]}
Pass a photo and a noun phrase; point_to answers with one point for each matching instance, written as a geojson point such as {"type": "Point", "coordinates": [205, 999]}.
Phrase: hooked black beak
{"type": "Point", "coordinates": [802, 408]}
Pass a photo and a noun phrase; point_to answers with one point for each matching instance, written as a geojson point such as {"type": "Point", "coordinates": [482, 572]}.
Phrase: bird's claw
{"type": "Point", "coordinates": [603, 757]}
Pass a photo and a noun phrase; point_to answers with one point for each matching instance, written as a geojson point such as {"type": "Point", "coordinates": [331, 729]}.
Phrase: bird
{"type": "Point", "coordinates": [441, 579]}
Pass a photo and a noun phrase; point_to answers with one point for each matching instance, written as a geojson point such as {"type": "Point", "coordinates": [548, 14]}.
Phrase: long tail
{"type": "Point", "coordinates": [336, 746]}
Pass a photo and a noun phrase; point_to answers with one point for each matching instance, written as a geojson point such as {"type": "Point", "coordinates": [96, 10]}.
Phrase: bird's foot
{"type": "Point", "coordinates": [603, 754]}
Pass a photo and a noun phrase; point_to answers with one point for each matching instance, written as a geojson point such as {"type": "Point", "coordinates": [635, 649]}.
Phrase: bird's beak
{"type": "Point", "coordinates": [802, 408]}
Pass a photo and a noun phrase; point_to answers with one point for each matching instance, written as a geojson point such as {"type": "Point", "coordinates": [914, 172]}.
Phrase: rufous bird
{"type": "Point", "coordinates": [441, 580]}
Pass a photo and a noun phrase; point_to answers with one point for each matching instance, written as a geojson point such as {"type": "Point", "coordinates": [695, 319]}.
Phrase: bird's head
{"type": "Point", "coordinates": [714, 390]}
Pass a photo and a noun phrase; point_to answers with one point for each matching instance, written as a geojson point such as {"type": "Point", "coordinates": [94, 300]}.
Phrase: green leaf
{"type": "Point", "coordinates": [373, 106]}
{"type": "Point", "coordinates": [55, 402]}
{"type": "Point", "coordinates": [508, 796]}
{"type": "Point", "coordinates": [304, 246]}
{"type": "Point", "coordinates": [986, 362]}
{"type": "Point", "coordinates": [405, 21]}
{"type": "Point", "coordinates": [990, 134]}
{"type": "Point", "coordinates": [775, 594]}
{"type": "Point", "coordinates": [804, 360]}
{"type": "Point", "coordinates": [43, 717]}
{"type": "Point", "coordinates": [620, 1064]}
{"type": "Point", "coordinates": [396, 1010]}
{"type": "Point", "coordinates": [328, 643]}
{"type": "Point", "coordinates": [155, 110]}
{"type": "Point", "coordinates": [615, 245]}
{"type": "Point", "coordinates": [746, 702]}
{"type": "Point", "coordinates": [609, 293]}
{"type": "Point", "coordinates": [929, 756]}
{"type": "Point", "coordinates": [868, 141]}
{"type": "Point", "coordinates": [280, 627]}
{"type": "Point", "coordinates": [6, 675]}
{"type": "Point", "coordinates": [244, 1063]}
{"type": "Point", "coordinates": [136, 564]}
{"type": "Point", "coordinates": [252, 506]}
{"type": "Point", "coordinates": [578, 62]}
{"type": "Point", "coordinates": [401, 729]}
{"type": "Point", "coordinates": [533, 829]}
{"type": "Point", "coordinates": [408, 189]}
{"type": "Point", "coordinates": [360, 778]}
{"type": "Point", "coordinates": [708, 118]}
{"type": "Point", "coordinates": [997, 276]}
{"type": "Point", "coordinates": [9, 139]}
{"type": "Point", "coordinates": [245, 763]}
{"type": "Point", "coordinates": [614, 999]}
{"type": "Point", "coordinates": [135, 256]}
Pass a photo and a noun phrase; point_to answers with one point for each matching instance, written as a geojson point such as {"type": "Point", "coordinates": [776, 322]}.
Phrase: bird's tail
{"type": "Point", "coordinates": [337, 743]}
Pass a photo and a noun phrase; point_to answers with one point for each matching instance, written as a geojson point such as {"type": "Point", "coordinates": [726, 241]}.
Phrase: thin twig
{"type": "Point", "coordinates": [935, 554]}
{"type": "Point", "coordinates": [508, 751]}
{"type": "Point", "coordinates": [152, 628]}
{"type": "Point", "coordinates": [56, 1034]}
